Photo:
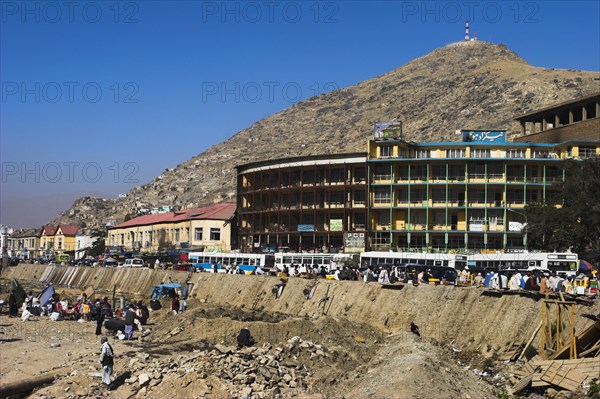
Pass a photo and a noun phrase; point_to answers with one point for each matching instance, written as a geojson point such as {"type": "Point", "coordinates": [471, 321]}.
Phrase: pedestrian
{"type": "Point", "coordinates": [99, 318]}
{"type": "Point", "coordinates": [12, 304]}
{"type": "Point", "coordinates": [130, 317]}
{"type": "Point", "coordinates": [244, 338]}
{"type": "Point", "coordinates": [106, 360]}
{"type": "Point", "coordinates": [175, 304]}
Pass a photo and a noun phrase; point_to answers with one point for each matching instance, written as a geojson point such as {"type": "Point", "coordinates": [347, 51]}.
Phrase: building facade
{"type": "Point", "coordinates": [83, 244]}
{"type": "Point", "coordinates": [207, 228]}
{"type": "Point", "coordinates": [25, 244]}
{"type": "Point", "coordinates": [315, 203]}
{"type": "Point", "coordinates": [460, 195]}
{"type": "Point", "coordinates": [58, 239]}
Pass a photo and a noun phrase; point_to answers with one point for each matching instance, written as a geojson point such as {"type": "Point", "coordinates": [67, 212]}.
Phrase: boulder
{"type": "Point", "coordinates": [143, 379]}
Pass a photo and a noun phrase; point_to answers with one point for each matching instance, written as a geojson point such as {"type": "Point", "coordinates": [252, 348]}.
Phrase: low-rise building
{"type": "Point", "coordinates": [58, 239]}
{"type": "Point", "coordinates": [83, 244]}
{"type": "Point", "coordinates": [209, 228]}
{"type": "Point", "coordinates": [25, 244]}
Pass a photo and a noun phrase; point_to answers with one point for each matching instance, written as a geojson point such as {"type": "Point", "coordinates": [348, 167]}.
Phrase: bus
{"type": "Point", "coordinates": [329, 260]}
{"type": "Point", "coordinates": [244, 261]}
{"type": "Point", "coordinates": [377, 258]}
{"type": "Point", "coordinates": [566, 263]}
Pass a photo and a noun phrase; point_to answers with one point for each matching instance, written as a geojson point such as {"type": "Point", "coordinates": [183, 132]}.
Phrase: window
{"type": "Point", "coordinates": [515, 153]}
{"type": "Point", "coordinates": [386, 151]}
{"type": "Point", "coordinates": [198, 234]}
{"type": "Point", "coordinates": [422, 154]}
{"type": "Point", "coordinates": [587, 151]}
{"type": "Point", "coordinates": [177, 235]}
{"type": "Point", "coordinates": [541, 154]}
{"type": "Point", "coordinates": [359, 197]}
{"type": "Point", "coordinates": [456, 153]}
{"type": "Point", "coordinates": [480, 153]}
{"type": "Point", "coordinates": [383, 195]}
{"type": "Point", "coordinates": [60, 243]}
{"type": "Point", "coordinates": [215, 234]}
{"type": "Point", "coordinates": [382, 172]}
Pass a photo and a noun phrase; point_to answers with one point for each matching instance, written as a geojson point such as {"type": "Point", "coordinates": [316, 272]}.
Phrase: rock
{"type": "Point", "coordinates": [320, 353]}
{"type": "Point", "coordinates": [551, 392]}
{"type": "Point", "coordinates": [295, 340]}
{"type": "Point", "coordinates": [287, 377]}
{"type": "Point", "coordinates": [55, 345]}
{"type": "Point", "coordinates": [175, 331]}
{"type": "Point", "coordinates": [131, 380]}
{"type": "Point", "coordinates": [246, 392]}
{"type": "Point", "coordinates": [143, 355]}
{"type": "Point", "coordinates": [95, 375]}
{"type": "Point", "coordinates": [223, 349]}
{"type": "Point", "coordinates": [359, 339]}
{"type": "Point", "coordinates": [156, 375]}
{"type": "Point", "coordinates": [154, 382]}
{"type": "Point", "coordinates": [143, 379]}
{"type": "Point", "coordinates": [67, 389]}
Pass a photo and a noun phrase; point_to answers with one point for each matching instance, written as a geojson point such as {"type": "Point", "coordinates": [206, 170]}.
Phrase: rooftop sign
{"type": "Point", "coordinates": [484, 136]}
{"type": "Point", "coordinates": [388, 130]}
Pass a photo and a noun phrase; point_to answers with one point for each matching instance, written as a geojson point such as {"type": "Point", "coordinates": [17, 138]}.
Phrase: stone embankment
{"type": "Point", "coordinates": [446, 314]}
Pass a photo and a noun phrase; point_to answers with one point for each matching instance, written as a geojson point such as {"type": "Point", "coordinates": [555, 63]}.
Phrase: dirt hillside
{"type": "Point", "coordinates": [470, 85]}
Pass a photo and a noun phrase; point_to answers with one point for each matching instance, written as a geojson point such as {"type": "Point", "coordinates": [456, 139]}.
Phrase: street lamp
{"type": "Point", "coordinates": [525, 216]}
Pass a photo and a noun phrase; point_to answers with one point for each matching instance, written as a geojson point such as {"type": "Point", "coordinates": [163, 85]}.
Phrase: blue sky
{"type": "Point", "coordinates": [101, 96]}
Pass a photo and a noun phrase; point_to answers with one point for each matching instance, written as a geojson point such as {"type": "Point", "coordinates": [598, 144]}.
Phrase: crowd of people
{"type": "Point", "coordinates": [539, 281]}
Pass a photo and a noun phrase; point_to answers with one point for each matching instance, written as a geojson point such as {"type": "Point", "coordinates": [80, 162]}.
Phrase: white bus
{"type": "Point", "coordinates": [545, 261]}
{"type": "Point", "coordinates": [329, 260]}
{"type": "Point", "coordinates": [244, 261]}
{"type": "Point", "coordinates": [377, 258]}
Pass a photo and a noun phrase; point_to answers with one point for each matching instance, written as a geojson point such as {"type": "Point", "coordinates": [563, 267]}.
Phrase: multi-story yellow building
{"type": "Point", "coordinates": [209, 228]}
{"type": "Point", "coordinates": [58, 239]}
{"type": "Point", "coordinates": [460, 195]}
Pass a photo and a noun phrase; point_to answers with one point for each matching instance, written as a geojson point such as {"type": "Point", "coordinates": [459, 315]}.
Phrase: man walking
{"type": "Point", "coordinates": [106, 360]}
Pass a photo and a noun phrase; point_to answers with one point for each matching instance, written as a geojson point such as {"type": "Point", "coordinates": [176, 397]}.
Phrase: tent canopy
{"type": "Point", "coordinates": [46, 295]}
{"type": "Point", "coordinates": [585, 266]}
{"type": "Point", "coordinates": [164, 289]}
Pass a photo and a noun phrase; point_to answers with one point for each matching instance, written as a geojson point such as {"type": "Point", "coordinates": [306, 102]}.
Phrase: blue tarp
{"type": "Point", "coordinates": [46, 295]}
{"type": "Point", "coordinates": [164, 289]}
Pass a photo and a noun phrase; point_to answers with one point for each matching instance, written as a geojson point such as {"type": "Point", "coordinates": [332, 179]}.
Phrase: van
{"type": "Point", "coordinates": [134, 262]}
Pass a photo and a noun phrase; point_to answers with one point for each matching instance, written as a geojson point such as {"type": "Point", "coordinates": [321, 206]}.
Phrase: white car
{"type": "Point", "coordinates": [134, 262]}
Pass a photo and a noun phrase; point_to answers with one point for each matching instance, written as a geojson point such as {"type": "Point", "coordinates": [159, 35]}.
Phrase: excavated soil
{"type": "Point", "coordinates": [351, 340]}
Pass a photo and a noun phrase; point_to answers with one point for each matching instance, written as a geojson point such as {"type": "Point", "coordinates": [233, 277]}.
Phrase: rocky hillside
{"type": "Point", "coordinates": [465, 85]}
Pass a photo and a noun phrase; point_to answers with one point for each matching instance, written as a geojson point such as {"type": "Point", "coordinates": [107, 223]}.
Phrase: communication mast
{"type": "Point", "coordinates": [467, 30]}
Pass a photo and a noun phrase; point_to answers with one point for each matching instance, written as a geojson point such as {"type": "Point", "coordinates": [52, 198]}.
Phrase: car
{"type": "Point", "coordinates": [134, 262]}
{"type": "Point", "coordinates": [110, 262]}
{"type": "Point", "coordinates": [85, 262]}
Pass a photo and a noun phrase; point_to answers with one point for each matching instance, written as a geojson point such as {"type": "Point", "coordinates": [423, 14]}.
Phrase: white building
{"type": "Point", "coordinates": [5, 233]}
{"type": "Point", "coordinates": [83, 243]}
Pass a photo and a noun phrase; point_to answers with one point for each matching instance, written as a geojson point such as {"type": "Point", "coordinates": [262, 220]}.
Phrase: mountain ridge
{"type": "Point", "coordinates": [463, 85]}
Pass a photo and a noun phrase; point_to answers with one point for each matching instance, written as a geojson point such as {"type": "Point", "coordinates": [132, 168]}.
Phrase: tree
{"type": "Point", "coordinates": [570, 219]}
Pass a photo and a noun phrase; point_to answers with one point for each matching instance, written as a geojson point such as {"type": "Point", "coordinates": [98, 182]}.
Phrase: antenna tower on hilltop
{"type": "Point", "coordinates": [467, 30]}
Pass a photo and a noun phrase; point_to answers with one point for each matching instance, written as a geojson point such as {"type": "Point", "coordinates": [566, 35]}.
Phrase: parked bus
{"type": "Point", "coordinates": [311, 260]}
{"type": "Point", "coordinates": [376, 258]}
{"type": "Point", "coordinates": [244, 261]}
{"type": "Point", "coordinates": [545, 261]}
